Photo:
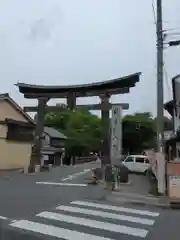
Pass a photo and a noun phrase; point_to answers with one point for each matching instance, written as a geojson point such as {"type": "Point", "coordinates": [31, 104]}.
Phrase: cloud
{"type": "Point", "coordinates": [41, 29]}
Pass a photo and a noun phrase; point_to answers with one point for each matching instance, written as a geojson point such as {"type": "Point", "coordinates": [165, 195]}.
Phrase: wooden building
{"type": "Point", "coordinates": [53, 146]}
{"type": "Point", "coordinates": [16, 135]}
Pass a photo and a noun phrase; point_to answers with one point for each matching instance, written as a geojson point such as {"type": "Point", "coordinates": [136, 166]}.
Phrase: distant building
{"type": "Point", "coordinates": [52, 146]}
{"type": "Point", "coordinates": [168, 134]}
{"type": "Point", "coordinates": [17, 135]}
{"type": "Point", "coordinates": [173, 108]}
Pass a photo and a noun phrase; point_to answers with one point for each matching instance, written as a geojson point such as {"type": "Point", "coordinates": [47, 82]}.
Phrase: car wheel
{"type": "Point", "coordinates": [145, 172]}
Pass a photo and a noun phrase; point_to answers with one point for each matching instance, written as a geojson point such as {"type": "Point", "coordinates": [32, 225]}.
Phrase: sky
{"type": "Point", "coordinates": [60, 42]}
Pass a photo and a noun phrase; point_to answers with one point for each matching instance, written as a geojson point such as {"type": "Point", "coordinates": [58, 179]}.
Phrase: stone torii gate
{"type": "Point", "coordinates": [103, 90]}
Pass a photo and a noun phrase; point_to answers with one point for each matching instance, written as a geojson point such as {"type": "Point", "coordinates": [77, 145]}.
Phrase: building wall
{"type": "Point", "coordinates": [13, 154]}
{"type": "Point", "coordinates": [8, 111]}
{"type": "Point", "coordinates": [46, 140]}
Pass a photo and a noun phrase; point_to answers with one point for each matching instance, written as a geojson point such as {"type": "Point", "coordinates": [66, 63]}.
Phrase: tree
{"type": "Point", "coordinates": [139, 132]}
{"type": "Point", "coordinates": [83, 129]}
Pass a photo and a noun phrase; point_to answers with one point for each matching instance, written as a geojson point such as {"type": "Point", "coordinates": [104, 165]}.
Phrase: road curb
{"type": "Point", "coordinates": [138, 202]}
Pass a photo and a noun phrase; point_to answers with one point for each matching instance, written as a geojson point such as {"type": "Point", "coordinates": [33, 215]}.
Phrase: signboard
{"type": "Point", "coordinates": [174, 187]}
{"type": "Point", "coordinates": [116, 134]}
{"type": "Point", "coordinates": [173, 171]}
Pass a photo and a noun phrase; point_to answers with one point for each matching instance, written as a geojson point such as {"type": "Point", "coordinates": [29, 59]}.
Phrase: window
{"type": "Point", "coordinates": [140, 160]}
{"type": "Point", "coordinates": [129, 159]}
{"type": "Point", "coordinates": [22, 133]}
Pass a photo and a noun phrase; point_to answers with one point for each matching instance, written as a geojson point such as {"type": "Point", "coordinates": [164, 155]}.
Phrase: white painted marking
{"type": "Point", "coordinates": [95, 224]}
{"type": "Point", "coordinates": [106, 215]}
{"type": "Point", "coordinates": [62, 184]}
{"type": "Point", "coordinates": [70, 177]}
{"type": "Point", "coordinates": [13, 221]}
{"type": "Point", "coordinates": [3, 218]}
{"type": "Point", "coordinates": [60, 233]}
{"type": "Point", "coordinates": [115, 208]}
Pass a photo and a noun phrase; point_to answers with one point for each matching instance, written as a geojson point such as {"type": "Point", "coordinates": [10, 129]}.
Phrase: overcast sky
{"type": "Point", "coordinates": [81, 41]}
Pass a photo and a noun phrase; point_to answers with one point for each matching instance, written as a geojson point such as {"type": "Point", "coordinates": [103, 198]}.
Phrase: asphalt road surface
{"type": "Point", "coordinates": [24, 195]}
{"type": "Point", "coordinates": [60, 205]}
{"type": "Point", "coordinates": [95, 220]}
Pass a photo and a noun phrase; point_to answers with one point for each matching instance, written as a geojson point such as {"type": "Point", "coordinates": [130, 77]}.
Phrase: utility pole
{"type": "Point", "coordinates": [160, 91]}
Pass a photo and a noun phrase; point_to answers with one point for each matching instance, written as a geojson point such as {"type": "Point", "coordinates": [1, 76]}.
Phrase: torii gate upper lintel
{"type": "Point", "coordinates": [104, 90]}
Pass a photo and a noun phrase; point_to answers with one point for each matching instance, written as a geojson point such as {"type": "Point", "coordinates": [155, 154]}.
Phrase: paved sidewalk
{"type": "Point", "coordinates": [136, 192]}
{"type": "Point", "coordinates": [138, 183]}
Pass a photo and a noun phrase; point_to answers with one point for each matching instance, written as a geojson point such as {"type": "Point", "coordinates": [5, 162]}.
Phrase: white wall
{"type": "Point", "coordinates": [46, 141]}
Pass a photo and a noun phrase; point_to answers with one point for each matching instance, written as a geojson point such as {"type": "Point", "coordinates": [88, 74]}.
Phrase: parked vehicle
{"type": "Point", "coordinates": [137, 163]}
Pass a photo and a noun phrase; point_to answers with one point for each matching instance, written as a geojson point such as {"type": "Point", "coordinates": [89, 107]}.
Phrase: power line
{"type": "Point", "coordinates": [166, 81]}
{"type": "Point", "coordinates": [154, 12]}
{"type": "Point", "coordinates": [175, 33]}
{"type": "Point", "coordinates": [171, 29]}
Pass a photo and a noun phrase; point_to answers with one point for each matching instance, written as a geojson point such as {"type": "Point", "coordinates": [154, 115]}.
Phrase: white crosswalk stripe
{"type": "Point", "coordinates": [110, 219]}
{"type": "Point", "coordinates": [106, 215]}
{"type": "Point", "coordinates": [115, 208]}
{"type": "Point", "coordinates": [54, 231]}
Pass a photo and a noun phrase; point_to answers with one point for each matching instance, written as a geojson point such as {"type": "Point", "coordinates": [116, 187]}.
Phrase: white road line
{"type": "Point", "coordinates": [62, 184]}
{"type": "Point", "coordinates": [70, 177]}
{"type": "Point", "coordinates": [3, 218]}
{"type": "Point", "coordinates": [95, 224]}
{"type": "Point", "coordinates": [106, 215]}
{"type": "Point", "coordinates": [115, 208]}
{"type": "Point", "coordinates": [60, 233]}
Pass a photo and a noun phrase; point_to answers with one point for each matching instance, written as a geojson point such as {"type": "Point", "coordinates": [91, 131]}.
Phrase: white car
{"type": "Point", "coordinates": [137, 163]}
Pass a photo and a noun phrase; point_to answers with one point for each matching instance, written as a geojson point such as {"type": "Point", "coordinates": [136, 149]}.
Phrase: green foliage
{"type": "Point", "coordinates": [85, 132]}
{"type": "Point", "coordinates": [139, 131]}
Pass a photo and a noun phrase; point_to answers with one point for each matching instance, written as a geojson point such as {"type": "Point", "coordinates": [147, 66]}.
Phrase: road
{"type": "Point", "coordinates": [24, 195]}
{"type": "Point", "coordinates": [48, 206]}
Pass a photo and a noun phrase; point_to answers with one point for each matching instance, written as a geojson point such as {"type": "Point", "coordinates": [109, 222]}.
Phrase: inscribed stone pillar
{"type": "Point", "coordinates": [36, 149]}
{"type": "Point", "coordinates": [106, 127]}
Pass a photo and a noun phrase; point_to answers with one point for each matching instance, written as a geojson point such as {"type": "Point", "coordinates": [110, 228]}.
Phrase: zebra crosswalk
{"type": "Point", "coordinates": [85, 220]}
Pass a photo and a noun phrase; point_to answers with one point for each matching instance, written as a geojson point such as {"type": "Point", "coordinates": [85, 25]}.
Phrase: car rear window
{"type": "Point", "coordinates": [140, 160]}
{"type": "Point", "coordinates": [129, 159]}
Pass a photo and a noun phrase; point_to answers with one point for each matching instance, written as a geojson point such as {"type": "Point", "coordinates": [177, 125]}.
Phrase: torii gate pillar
{"type": "Point", "coordinates": [106, 128]}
